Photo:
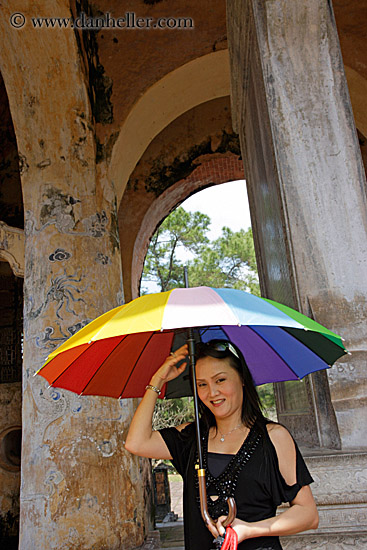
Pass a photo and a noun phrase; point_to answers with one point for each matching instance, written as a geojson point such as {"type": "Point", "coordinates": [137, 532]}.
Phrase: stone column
{"type": "Point", "coordinates": [306, 178]}
{"type": "Point", "coordinates": [307, 193]}
{"type": "Point", "coordinates": [79, 488]}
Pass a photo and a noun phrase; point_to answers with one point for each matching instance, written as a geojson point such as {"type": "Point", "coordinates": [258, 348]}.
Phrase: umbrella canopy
{"type": "Point", "coordinates": [117, 353]}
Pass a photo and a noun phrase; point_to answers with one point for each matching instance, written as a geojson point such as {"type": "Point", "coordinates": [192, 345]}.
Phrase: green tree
{"type": "Point", "coordinates": [228, 261]}
{"type": "Point", "coordinates": [180, 228]}
{"type": "Point", "coordinates": [172, 412]}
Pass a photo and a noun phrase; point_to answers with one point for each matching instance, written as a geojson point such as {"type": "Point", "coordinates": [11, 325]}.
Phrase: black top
{"type": "Point", "coordinates": [218, 462]}
{"type": "Point", "coordinates": [252, 476]}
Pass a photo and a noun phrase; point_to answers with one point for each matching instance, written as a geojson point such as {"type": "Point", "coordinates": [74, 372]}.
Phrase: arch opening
{"type": "Point", "coordinates": [195, 151]}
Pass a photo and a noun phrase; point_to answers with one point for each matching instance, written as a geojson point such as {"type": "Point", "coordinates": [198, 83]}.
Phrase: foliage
{"type": "Point", "coordinates": [173, 412]}
{"type": "Point", "coordinates": [180, 228]}
{"type": "Point", "coordinates": [267, 398]}
{"type": "Point", "coordinates": [228, 261]}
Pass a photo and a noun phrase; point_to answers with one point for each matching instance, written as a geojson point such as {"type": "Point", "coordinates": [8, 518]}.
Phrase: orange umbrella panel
{"type": "Point", "coordinates": [114, 367]}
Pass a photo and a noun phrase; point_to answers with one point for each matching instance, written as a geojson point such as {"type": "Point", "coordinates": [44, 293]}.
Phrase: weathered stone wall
{"type": "Point", "coordinates": [12, 248]}
{"type": "Point", "coordinates": [308, 197]}
{"type": "Point", "coordinates": [79, 487]}
{"type": "Point", "coordinates": [11, 326]}
{"type": "Point", "coordinates": [340, 491]}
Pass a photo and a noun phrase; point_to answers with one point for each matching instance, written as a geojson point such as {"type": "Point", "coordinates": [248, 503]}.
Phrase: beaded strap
{"type": "Point", "coordinates": [225, 484]}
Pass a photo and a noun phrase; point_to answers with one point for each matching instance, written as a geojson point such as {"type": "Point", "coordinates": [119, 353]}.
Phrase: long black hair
{"type": "Point", "coordinates": [251, 405]}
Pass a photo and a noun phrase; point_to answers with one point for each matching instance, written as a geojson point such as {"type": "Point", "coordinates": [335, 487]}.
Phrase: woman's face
{"type": "Point", "coordinates": [219, 386]}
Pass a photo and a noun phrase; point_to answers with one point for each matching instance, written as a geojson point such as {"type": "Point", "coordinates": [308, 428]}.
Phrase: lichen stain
{"type": "Point", "coordinates": [104, 150]}
{"type": "Point", "coordinates": [162, 175]}
{"type": "Point", "coordinates": [30, 105]}
{"type": "Point", "coordinates": [97, 505]}
{"type": "Point", "coordinates": [58, 208]}
{"type": "Point", "coordinates": [114, 229]}
{"type": "Point", "coordinates": [90, 472]}
{"type": "Point", "coordinates": [100, 85]}
{"type": "Point", "coordinates": [56, 486]}
{"type": "Point", "coordinates": [345, 317]}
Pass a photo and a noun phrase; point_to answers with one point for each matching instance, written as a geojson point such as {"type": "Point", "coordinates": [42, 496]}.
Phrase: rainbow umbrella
{"type": "Point", "coordinates": [117, 353]}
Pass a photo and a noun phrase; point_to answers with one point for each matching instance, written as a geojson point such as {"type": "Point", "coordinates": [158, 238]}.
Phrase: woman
{"type": "Point", "coordinates": [245, 455]}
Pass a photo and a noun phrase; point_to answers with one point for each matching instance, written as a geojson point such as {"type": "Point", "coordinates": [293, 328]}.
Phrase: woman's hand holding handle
{"type": "Point", "coordinates": [168, 370]}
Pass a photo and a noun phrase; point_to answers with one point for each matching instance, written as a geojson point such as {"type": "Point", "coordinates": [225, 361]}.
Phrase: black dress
{"type": "Point", "coordinates": [251, 476]}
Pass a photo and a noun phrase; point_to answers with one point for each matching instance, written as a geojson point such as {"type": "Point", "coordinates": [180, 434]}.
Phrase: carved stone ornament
{"type": "Point", "coordinates": [12, 248]}
{"type": "Point", "coordinates": [340, 491]}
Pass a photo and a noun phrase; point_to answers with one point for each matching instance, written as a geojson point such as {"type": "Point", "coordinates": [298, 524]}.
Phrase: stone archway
{"type": "Point", "coordinates": [197, 149]}
{"type": "Point", "coordinates": [192, 84]}
{"type": "Point", "coordinates": [210, 172]}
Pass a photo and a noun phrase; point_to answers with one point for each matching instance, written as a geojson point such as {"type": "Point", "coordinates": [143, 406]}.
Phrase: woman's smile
{"type": "Point", "coordinates": [217, 402]}
{"type": "Point", "coordinates": [219, 386]}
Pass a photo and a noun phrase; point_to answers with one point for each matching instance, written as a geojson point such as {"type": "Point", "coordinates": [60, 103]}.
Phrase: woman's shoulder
{"type": "Point", "coordinates": [277, 430]}
{"type": "Point", "coordinates": [279, 435]}
{"type": "Point", "coordinates": [285, 449]}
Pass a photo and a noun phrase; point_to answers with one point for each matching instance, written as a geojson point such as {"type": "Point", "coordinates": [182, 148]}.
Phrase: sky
{"type": "Point", "coordinates": [226, 205]}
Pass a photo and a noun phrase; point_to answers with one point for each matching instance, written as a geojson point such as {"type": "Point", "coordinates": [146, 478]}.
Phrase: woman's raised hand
{"type": "Point", "coordinates": [169, 371]}
{"type": "Point", "coordinates": [141, 439]}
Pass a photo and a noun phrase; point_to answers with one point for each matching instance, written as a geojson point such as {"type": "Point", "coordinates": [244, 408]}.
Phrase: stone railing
{"type": "Point", "coordinates": [340, 490]}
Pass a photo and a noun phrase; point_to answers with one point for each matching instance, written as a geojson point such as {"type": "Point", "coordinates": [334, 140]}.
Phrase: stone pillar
{"type": "Point", "coordinates": [79, 488]}
{"type": "Point", "coordinates": [307, 193]}
{"type": "Point", "coordinates": [306, 178]}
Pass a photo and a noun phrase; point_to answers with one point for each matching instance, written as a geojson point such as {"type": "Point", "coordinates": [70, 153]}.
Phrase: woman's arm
{"type": "Point", "coordinates": [141, 439]}
{"type": "Point", "coordinates": [302, 513]}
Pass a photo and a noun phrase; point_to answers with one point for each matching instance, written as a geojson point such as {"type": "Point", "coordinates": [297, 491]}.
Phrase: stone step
{"type": "Point", "coordinates": [171, 535]}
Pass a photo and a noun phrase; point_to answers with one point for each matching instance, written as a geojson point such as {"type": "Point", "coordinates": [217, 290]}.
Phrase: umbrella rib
{"type": "Point", "coordinates": [313, 351]}
{"type": "Point", "coordinates": [136, 362]}
{"type": "Point", "coordinates": [100, 366]}
{"type": "Point", "coordinates": [69, 366]}
{"type": "Point", "coordinates": [273, 350]}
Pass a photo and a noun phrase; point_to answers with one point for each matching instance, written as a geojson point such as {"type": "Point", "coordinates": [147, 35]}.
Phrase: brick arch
{"type": "Point", "coordinates": [192, 84]}
{"type": "Point", "coordinates": [211, 171]}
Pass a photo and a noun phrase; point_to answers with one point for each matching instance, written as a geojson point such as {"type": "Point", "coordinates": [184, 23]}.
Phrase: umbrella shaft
{"type": "Point", "coordinates": [191, 346]}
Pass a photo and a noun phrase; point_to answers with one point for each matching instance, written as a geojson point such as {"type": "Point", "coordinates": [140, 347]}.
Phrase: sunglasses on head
{"type": "Point", "coordinates": [223, 346]}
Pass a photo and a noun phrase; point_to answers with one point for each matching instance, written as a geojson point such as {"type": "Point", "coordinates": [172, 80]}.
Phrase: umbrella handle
{"type": "Point", "coordinates": [203, 499]}
{"type": "Point", "coordinates": [232, 508]}
{"type": "Point", "coordinates": [232, 512]}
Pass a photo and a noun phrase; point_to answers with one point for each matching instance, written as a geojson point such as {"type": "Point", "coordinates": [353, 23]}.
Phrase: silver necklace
{"type": "Point", "coordinates": [225, 435]}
